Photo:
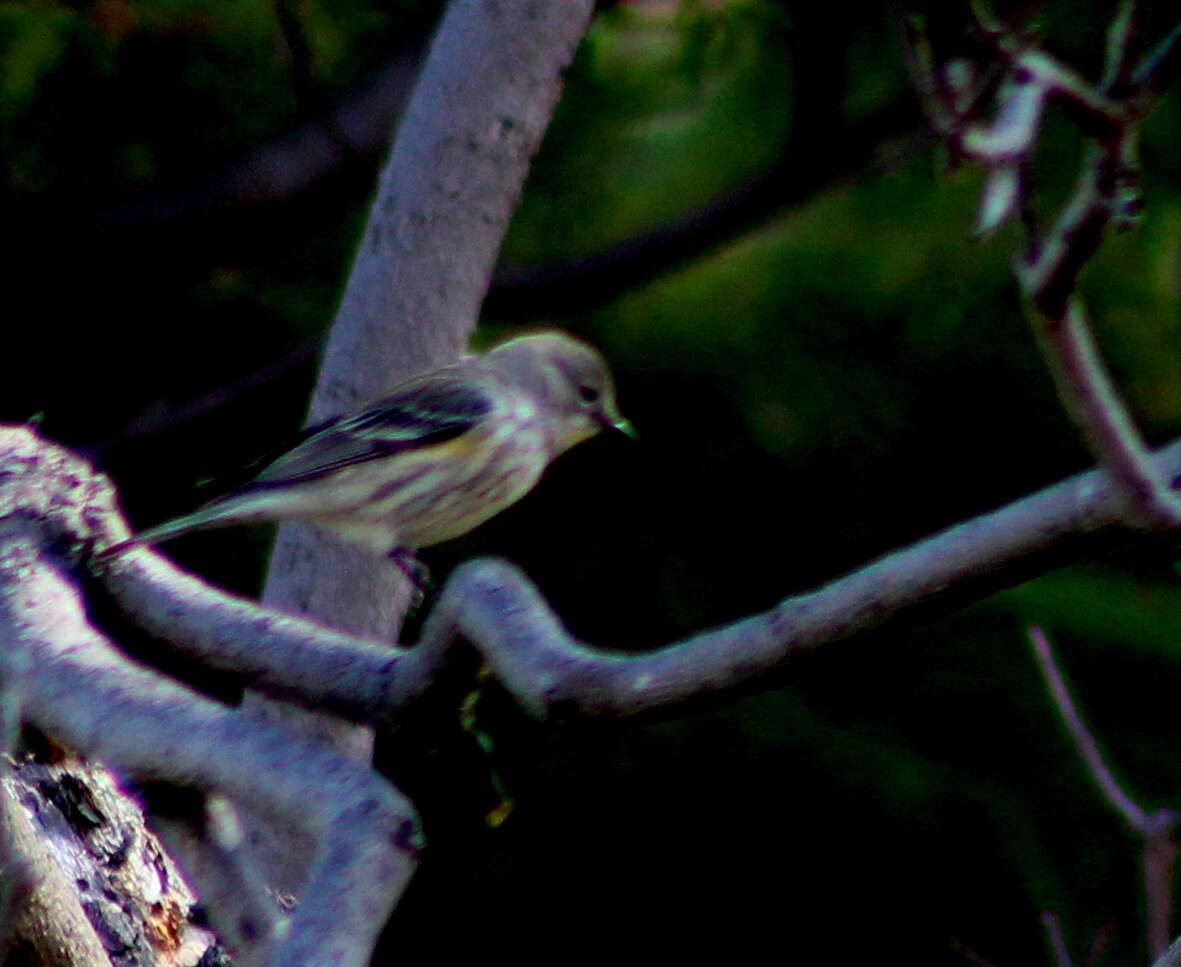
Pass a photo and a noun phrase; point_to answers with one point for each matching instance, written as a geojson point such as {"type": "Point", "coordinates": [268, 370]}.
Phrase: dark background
{"type": "Point", "coordinates": [738, 203]}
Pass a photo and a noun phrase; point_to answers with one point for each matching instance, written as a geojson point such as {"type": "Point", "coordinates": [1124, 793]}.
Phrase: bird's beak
{"type": "Point", "coordinates": [613, 421]}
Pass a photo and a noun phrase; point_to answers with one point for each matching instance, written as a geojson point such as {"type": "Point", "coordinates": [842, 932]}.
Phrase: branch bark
{"type": "Point", "coordinates": [150, 729]}
{"type": "Point", "coordinates": [477, 115]}
{"type": "Point", "coordinates": [494, 607]}
{"type": "Point", "coordinates": [476, 118]}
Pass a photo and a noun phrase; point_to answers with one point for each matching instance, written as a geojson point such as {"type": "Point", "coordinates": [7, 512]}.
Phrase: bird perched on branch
{"type": "Point", "coordinates": [445, 451]}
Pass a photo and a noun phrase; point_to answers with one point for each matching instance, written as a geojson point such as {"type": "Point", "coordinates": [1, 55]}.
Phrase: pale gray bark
{"type": "Point", "coordinates": [452, 180]}
{"type": "Point", "coordinates": [448, 189]}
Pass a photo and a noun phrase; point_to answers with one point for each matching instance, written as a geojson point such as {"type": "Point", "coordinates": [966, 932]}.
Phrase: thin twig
{"type": "Point", "coordinates": [1055, 939]}
{"type": "Point", "coordinates": [1084, 742]}
{"type": "Point", "coordinates": [1156, 829]}
{"type": "Point", "coordinates": [1161, 64]}
{"type": "Point", "coordinates": [1107, 194]}
{"type": "Point", "coordinates": [1049, 277]}
{"type": "Point", "coordinates": [1090, 396]}
{"type": "Point", "coordinates": [1117, 66]}
{"type": "Point", "coordinates": [1100, 941]}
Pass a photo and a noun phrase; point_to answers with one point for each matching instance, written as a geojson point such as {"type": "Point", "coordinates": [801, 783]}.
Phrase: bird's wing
{"type": "Point", "coordinates": [422, 412]}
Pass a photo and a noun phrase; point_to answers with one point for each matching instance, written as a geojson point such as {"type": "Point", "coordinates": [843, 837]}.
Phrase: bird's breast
{"type": "Point", "coordinates": [442, 491]}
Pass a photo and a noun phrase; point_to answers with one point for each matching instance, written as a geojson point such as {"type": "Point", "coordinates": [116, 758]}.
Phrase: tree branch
{"type": "Point", "coordinates": [87, 695]}
{"type": "Point", "coordinates": [1055, 939]}
{"type": "Point", "coordinates": [1092, 399]}
{"type": "Point", "coordinates": [1084, 742]}
{"type": "Point", "coordinates": [491, 605]}
{"type": "Point", "coordinates": [1048, 272]}
{"type": "Point", "coordinates": [1154, 829]}
{"type": "Point", "coordinates": [476, 118]}
{"type": "Point", "coordinates": [40, 906]}
{"type": "Point", "coordinates": [481, 105]}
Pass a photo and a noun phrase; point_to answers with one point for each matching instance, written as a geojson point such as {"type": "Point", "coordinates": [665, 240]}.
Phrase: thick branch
{"type": "Point", "coordinates": [282, 655]}
{"type": "Point", "coordinates": [489, 603]}
{"type": "Point", "coordinates": [481, 105]}
{"type": "Point", "coordinates": [82, 691]}
{"type": "Point", "coordinates": [477, 115]}
{"type": "Point", "coordinates": [40, 903]}
{"type": "Point", "coordinates": [1171, 957]}
{"type": "Point", "coordinates": [492, 605]}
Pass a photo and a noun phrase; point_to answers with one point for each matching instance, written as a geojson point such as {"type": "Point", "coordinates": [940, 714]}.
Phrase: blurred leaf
{"type": "Point", "coordinates": [34, 38]}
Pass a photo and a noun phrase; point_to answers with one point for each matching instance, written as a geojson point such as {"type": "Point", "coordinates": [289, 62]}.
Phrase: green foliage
{"type": "Point", "coordinates": [34, 40]}
{"type": "Point", "coordinates": [649, 123]}
{"type": "Point", "coordinates": [109, 94]}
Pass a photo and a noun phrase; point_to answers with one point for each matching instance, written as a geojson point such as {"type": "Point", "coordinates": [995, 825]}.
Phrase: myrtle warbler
{"type": "Point", "coordinates": [445, 451]}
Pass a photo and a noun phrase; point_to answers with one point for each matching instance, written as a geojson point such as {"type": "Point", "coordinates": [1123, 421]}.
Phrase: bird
{"type": "Point", "coordinates": [445, 451]}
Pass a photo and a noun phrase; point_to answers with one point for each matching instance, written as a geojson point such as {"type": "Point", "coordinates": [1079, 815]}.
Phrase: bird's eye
{"type": "Point", "coordinates": [588, 394]}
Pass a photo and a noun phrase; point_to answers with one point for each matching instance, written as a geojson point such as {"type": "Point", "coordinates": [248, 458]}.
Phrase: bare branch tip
{"type": "Point", "coordinates": [1160, 66]}
{"type": "Point", "coordinates": [1037, 637]}
{"type": "Point", "coordinates": [1054, 936]}
{"type": "Point", "coordinates": [1120, 37]}
{"type": "Point", "coordinates": [1084, 741]}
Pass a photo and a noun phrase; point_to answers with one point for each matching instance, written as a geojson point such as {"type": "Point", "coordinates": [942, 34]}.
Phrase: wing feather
{"type": "Point", "coordinates": [423, 412]}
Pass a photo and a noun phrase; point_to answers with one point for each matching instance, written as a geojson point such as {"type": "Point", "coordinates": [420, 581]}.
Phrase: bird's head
{"type": "Point", "coordinates": [567, 379]}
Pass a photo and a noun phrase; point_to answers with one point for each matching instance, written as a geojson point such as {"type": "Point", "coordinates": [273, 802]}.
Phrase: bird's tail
{"type": "Point", "coordinates": [218, 513]}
